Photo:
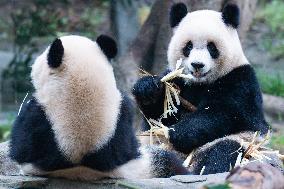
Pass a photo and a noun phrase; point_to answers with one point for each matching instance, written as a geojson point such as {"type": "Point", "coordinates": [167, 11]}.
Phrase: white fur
{"type": "Point", "coordinates": [201, 55]}
{"type": "Point", "coordinates": [135, 169]}
{"type": "Point", "coordinates": [202, 27]}
{"type": "Point", "coordinates": [80, 97]}
{"type": "Point", "coordinates": [30, 169]}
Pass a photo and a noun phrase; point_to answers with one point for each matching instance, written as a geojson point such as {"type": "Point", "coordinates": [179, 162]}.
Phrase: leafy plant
{"type": "Point", "coordinates": [35, 23]}
{"type": "Point", "coordinates": [271, 83]}
{"type": "Point", "coordinates": [273, 16]}
{"type": "Point", "coordinates": [5, 128]}
{"type": "Point", "coordinates": [28, 24]}
{"type": "Point", "coordinates": [217, 186]}
{"type": "Point", "coordinates": [277, 142]}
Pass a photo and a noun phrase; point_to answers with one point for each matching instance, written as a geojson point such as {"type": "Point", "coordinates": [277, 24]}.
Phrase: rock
{"type": "Point", "coordinates": [7, 166]}
{"type": "Point", "coordinates": [256, 175]}
{"type": "Point", "coordinates": [22, 182]}
{"type": "Point", "coordinates": [273, 106]}
{"type": "Point", "coordinates": [10, 178]}
{"type": "Point", "coordinates": [179, 182]}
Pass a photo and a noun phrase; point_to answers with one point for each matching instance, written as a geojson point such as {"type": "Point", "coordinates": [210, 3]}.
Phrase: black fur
{"type": "Point", "coordinates": [186, 50]}
{"type": "Point", "coordinates": [32, 140]}
{"type": "Point", "coordinates": [166, 163]}
{"type": "Point", "coordinates": [122, 147]}
{"type": "Point", "coordinates": [231, 15]}
{"type": "Point", "coordinates": [217, 158]}
{"type": "Point", "coordinates": [108, 46]}
{"type": "Point", "coordinates": [230, 105]}
{"type": "Point", "coordinates": [149, 93]}
{"type": "Point", "coordinates": [177, 13]}
{"type": "Point", "coordinates": [55, 54]}
{"type": "Point", "coordinates": [214, 52]}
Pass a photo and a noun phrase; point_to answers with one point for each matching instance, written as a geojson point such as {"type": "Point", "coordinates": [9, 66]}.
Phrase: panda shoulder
{"type": "Point", "coordinates": [244, 73]}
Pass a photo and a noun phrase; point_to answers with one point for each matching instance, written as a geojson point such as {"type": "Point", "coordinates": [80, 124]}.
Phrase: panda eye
{"type": "Point", "coordinates": [186, 50]}
{"type": "Point", "coordinates": [214, 52]}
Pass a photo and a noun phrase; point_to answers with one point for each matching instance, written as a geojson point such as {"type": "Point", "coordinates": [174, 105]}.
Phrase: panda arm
{"type": "Point", "coordinates": [149, 93]}
{"type": "Point", "coordinates": [33, 141]}
{"type": "Point", "coordinates": [204, 125]}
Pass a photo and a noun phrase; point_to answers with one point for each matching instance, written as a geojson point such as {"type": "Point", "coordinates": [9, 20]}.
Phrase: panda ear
{"type": "Point", "coordinates": [55, 54]}
{"type": "Point", "coordinates": [231, 15]}
{"type": "Point", "coordinates": [108, 46]}
{"type": "Point", "coordinates": [177, 13]}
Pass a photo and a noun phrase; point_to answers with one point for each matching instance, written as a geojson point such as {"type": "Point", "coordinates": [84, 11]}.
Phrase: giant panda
{"type": "Point", "coordinates": [223, 87]}
{"type": "Point", "coordinates": [77, 124]}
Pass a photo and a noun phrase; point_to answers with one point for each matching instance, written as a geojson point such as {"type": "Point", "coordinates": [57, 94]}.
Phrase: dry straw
{"type": "Point", "coordinates": [172, 100]}
{"type": "Point", "coordinates": [256, 151]}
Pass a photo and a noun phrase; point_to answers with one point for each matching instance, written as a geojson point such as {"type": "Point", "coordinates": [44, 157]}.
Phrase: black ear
{"type": "Point", "coordinates": [108, 46]}
{"type": "Point", "coordinates": [177, 13]}
{"type": "Point", "coordinates": [55, 54]}
{"type": "Point", "coordinates": [231, 15]}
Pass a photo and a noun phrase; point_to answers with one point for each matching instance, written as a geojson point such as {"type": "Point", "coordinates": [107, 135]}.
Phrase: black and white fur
{"type": "Point", "coordinates": [223, 87]}
{"type": "Point", "coordinates": [78, 125]}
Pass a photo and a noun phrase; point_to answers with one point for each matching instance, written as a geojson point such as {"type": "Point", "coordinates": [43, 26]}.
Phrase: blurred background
{"type": "Point", "coordinates": [142, 31]}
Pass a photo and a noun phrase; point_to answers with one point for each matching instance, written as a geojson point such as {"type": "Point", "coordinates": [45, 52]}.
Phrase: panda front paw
{"type": "Point", "coordinates": [148, 90]}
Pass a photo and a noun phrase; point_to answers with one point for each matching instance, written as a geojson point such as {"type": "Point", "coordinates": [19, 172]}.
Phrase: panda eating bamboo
{"type": "Point", "coordinates": [222, 86]}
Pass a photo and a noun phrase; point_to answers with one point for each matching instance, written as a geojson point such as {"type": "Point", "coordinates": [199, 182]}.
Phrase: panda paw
{"type": "Point", "coordinates": [148, 90]}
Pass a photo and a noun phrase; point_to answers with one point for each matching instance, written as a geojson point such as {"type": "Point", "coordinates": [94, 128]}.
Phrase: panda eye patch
{"type": "Point", "coordinates": [214, 52]}
{"type": "Point", "coordinates": [186, 50]}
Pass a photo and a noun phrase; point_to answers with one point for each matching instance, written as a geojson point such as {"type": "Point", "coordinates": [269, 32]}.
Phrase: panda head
{"type": "Point", "coordinates": [207, 42]}
{"type": "Point", "coordinates": [74, 60]}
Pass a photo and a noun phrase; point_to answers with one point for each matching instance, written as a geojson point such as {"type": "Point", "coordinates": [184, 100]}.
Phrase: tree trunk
{"type": "Point", "coordinates": [141, 51]}
{"type": "Point", "coordinates": [124, 22]}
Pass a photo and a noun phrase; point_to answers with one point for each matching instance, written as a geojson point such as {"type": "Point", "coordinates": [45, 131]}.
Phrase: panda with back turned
{"type": "Point", "coordinates": [78, 125]}
{"type": "Point", "coordinates": [223, 87]}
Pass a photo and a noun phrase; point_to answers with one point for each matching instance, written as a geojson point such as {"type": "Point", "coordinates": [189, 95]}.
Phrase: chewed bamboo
{"type": "Point", "coordinates": [172, 100]}
{"type": "Point", "coordinates": [170, 91]}
{"type": "Point", "coordinates": [256, 150]}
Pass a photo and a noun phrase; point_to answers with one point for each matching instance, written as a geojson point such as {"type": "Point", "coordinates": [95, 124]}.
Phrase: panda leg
{"type": "Point", "coordinates": [216, 157]}
{"type": "Point", "coordinates": [154, 162]}
{"type": "Point", "coordinates": [30, 169]}
{"type": "Point", "coordinates": [165, 163]}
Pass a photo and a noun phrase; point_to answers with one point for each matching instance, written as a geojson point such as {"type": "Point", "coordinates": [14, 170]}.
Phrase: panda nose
{"type": "Point", "coordinates": [197, 65]}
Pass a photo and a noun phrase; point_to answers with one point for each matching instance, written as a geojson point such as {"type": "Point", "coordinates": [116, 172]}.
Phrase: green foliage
{"type": "Point", "coordinates": [4, 132]}
{"type": "Point", "coordinates": [218, 186]}
{"type": "Point", "coordinates": [273, 16]}
{"type": "Point", "coordinates": [5, 128]}
{"type": "Point", "coordinates": [32, 24]}
{"type": "Point", "coordinates": [277, 142]}
{"type": "Point", "coordinates": [271, 83]}
{"type": "Point", "coordinates": [28, 24]}
{"type": "Point", "coordinates": [89, 20]}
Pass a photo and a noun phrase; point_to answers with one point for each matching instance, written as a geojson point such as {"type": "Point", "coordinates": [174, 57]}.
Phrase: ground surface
{"type": "Point", "coordinates": [9, 178]}
{"type": "Point", "coordinates": [177, 182]}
